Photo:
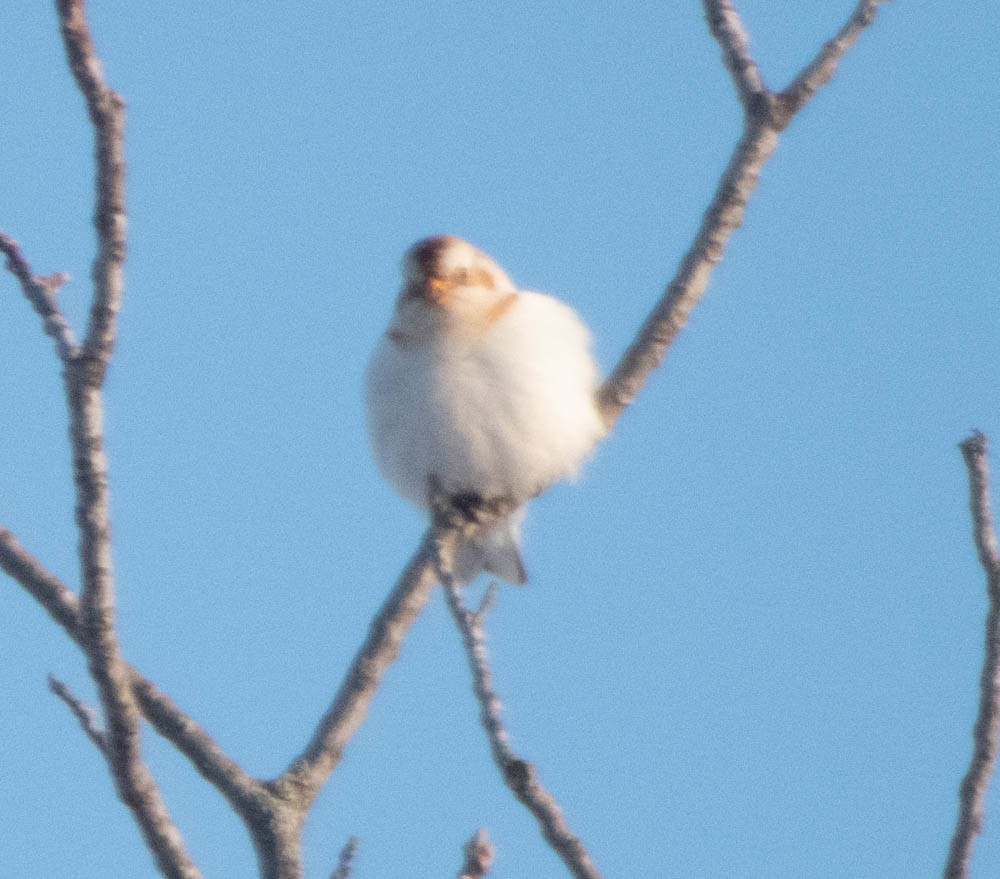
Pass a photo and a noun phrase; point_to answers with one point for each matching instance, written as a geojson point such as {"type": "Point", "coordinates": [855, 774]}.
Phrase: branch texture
{"type": "Point", "coordinates": [975, 451]}
{"type": "Point", "coordinates": [41, 293]}
{"type": "Point", "coordinates": [824, 65]}
{"type": "Point", "coordinates": [385, 639]}
{"type": "Point", "coordinates": [83, 377]}
{"type": "Point", "coordinates": [107, 116]}
{"type": "Point", "coordinates": [44, 586]}
{"type": "Point", "coordinates": [347, 856]}
{"type": "Point", "coordinates": [727, 28]}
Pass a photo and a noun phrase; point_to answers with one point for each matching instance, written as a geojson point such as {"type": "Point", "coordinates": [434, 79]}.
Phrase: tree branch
{"type": "Point", "coordinates": [346, 862]}
{"type": "Point", "coordinates": [64, 607]}
{"type": "Point", "coordinates": [727, 28]}
{"type": "Point", "coordinates": [820, 71]}
{"type": "Point", "coordinates": [84, 715]}
{"type": "Point", "coordinates": [670, 315]}
{"type": "Point", "coordinates": [765, 116]}
{"type": "Point", "coordinates": [83, 377]}
{"type": "Point", "coordinates": [518, 774]}
{"type": "Point", "coordinates": [312, 768]}
{"type": "Point", "coordinates": [306, 775]}
{"type": "Point", "coordinates": [20, 565]}
{"type": "Point", "coordinates": [41, 293]}
{"type": "Point", "coordinates": [107, 115]}
{"type": "Point", "coordinates": [479, 855]}
{"type": "Point", "coordinates": [133, 779]}
{"type": "Point", "coordinates": [975, 451]}
{"type": "Point", "coordinates": [193, 741]}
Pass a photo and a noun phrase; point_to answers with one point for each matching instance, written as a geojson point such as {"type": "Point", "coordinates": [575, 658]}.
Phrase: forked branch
{"type": "Point", "coordinates": [766, 114]}
{"type": "Point", "coordinates": [165, 716]}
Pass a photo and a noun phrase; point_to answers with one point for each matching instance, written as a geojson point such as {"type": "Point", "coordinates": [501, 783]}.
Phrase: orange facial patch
{"type": "Point", "coordinates": [439, 292]}
{"type": "Point", "coordinates": [500, 309]}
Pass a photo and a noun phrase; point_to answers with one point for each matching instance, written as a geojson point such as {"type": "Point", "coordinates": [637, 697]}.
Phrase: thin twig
{"type": "Point", "coordinates": [41, 293]}
{"type": "Point", "coordinates": [518, 774]}
{"type": "Point", "coordinates": [732, 37]}
{"type": "Point", "coordinates": [479, 855]}
{"type": "Point", "coordinates": [84, 715]}
{"type": "Point", "coordinates": [975, 451]}
{"type": "Point", "coordinates": [346, 862]}
{"type": "Point", "coordinates": [819, 72]}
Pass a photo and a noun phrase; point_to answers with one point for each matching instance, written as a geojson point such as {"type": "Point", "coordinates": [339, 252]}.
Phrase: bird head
{"type": "Point", "coordinates": [450, 286]}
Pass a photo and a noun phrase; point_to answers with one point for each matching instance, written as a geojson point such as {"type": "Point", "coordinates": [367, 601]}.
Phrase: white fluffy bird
{"type": "Point", "coordinates": [484, 390]}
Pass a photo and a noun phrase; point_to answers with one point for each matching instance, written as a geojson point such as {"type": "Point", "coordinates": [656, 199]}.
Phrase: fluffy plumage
{"type": "Point", "coordinates": [488, 389]}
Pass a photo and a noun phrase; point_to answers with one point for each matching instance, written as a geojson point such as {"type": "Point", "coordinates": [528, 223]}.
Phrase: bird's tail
{"type": "Point", "coordinates": [495, 551]}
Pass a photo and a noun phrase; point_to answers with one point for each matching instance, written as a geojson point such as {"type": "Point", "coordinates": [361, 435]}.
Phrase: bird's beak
{"type": "Point", "coordinates": [439, 292]}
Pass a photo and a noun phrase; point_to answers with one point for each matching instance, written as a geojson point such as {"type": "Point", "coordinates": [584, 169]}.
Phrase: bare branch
{"type": "Point", "coordinates": [346, 862]}
{"type": "Point", "coordinates": [670, 315]}
{"type": "Point", "coordinates": [195, 743]}
{"type": "Point", "coordinates": [819, 72]}
{"type": "Point", "coordinates": [84, 715]}
{"type": "Point", "coordinates": [165, 716]}
{"type": "Point", "coordinates": [107, 115]}
{"type": "Point", "coordinates": [41, 293]}
{"type": "Point", "coordinates": [304, 778]}
{"type": "Point", "coordinates": [975, 450]}
{"type": "Point", "coordinates": [479, 855]}
{"type": "Point", "coordinates": [112, 675]}
{"type": "Point", "coordinates": [518, 774]}
{"type": "Point", "coordinates": [311, 769]}
{"type": "Point", "coordinates": [728, 30]}
{"type": "Point", "coordinates": [489, 600]}
{"type": "Point", "coordinates": [44, 586]}
{"type": "Point", "coordinates": [765, 117]}
{"type": "Point", "coordinates": [83, 377]}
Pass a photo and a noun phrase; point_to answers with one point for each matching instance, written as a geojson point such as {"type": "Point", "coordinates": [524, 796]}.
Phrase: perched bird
{"type": "Point", "coordinates": [480, 389]}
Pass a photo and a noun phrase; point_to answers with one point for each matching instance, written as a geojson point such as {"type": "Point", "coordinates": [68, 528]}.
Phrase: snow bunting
{"type": "Point", "coordinates": [481, 389]}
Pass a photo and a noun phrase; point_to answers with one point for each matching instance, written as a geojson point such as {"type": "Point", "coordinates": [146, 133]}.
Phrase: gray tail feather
{"type": "Point", "coordinates": [495, 552]}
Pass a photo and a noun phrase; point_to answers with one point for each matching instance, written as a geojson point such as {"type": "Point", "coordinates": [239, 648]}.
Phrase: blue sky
{"type": "Point", "coordinates": [752, 639]}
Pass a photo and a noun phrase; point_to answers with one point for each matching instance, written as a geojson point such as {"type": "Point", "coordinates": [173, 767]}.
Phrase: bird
{"type": "Point", "coordinates": [481, 391]}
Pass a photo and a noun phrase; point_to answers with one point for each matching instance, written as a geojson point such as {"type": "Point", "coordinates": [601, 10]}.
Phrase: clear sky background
{"type": "Point", "coordinates": [752, 639]}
